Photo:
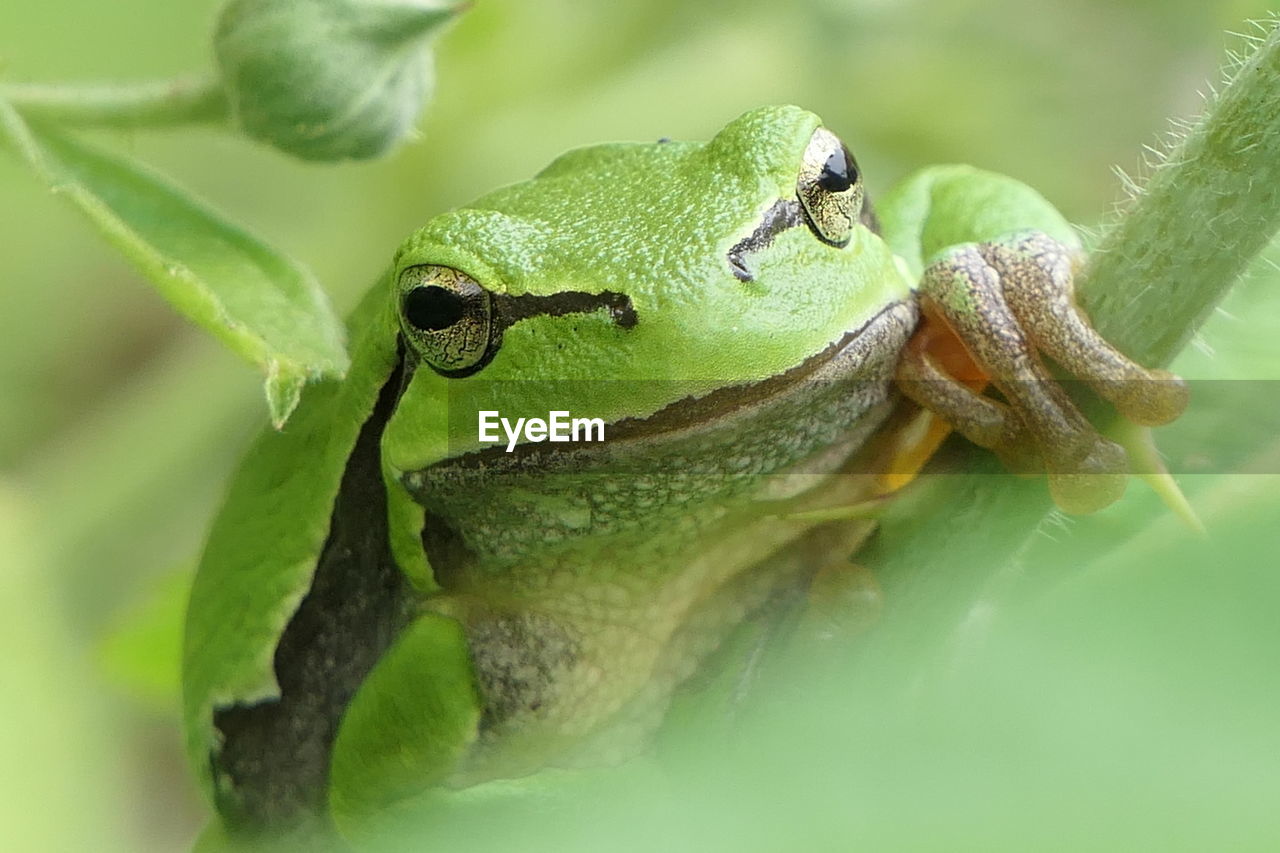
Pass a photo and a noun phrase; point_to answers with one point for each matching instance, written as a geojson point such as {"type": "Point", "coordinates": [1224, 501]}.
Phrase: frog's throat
{"type": "Point", "coordinates": [858, 356]}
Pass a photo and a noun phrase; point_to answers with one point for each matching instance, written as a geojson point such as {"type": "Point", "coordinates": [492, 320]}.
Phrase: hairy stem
{"type": "Point", "coordinates": [156, 103]}
{"type": "Point", "coordinates": [1208, 208]}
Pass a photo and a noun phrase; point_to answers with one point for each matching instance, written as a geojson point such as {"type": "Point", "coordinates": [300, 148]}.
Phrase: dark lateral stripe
{"type": "Point", "coordinates": [509, 310]}
{"type": "Point", "coordinates": [784, 214]}
{"type": "Point", "coordinates": [273, 767]}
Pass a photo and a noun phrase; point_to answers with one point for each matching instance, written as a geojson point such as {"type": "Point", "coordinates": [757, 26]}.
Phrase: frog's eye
{"type": "Point", "coordinates": [830, 188]}
{"type": "Point", "coordinates": [447, 317]}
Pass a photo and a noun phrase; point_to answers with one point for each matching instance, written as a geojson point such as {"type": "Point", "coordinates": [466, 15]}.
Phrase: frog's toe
{"type": "Point", "coordinates": [1090, 482]}
{"type": "Point", "coordinates": [986, 422]}
{"type": "Point", "coordinates": [1081, 494]}
{"type": "Point", "coordinates": [1037, 281]}
{"type": "Point", "coordinates": [1008, 302]}
{"type": "Point", "coordinates": [1149, 402]}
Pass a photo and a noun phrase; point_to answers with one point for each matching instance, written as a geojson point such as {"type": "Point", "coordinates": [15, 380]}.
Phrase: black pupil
{"type": "Point", "coordinates": [432, 308]}
{"type": "Point", "coordinates": [837, 173]}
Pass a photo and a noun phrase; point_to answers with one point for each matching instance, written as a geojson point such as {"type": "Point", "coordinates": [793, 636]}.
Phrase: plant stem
{"type": "Point", "coordinates": [1207, 210]}
{"type": "Point", "coordinates": [156, 103]}
{"type": "Point", "coordinates": [1209, 207]}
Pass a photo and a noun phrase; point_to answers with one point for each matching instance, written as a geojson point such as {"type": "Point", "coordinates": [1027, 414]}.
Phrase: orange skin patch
{"type": "Point", "coordinates": [925, 433]}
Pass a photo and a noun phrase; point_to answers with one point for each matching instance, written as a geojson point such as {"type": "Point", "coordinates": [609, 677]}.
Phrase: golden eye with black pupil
{"type": "Point", "coordinates": [838, 173]}
{"type": "Point", "coordinates": [447, 318]}
{"type": "Point", "coordinates": [430, 309]}
{"type": "Point", "coordinates": [829, 188]}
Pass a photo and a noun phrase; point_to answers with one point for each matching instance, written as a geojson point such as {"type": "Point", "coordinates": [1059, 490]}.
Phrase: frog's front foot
{"type": "Point", "coordinates": [1008, 302]}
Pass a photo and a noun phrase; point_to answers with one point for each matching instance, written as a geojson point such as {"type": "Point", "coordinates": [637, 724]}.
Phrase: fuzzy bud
{"type": "Point", "coordinates": [329, 79]}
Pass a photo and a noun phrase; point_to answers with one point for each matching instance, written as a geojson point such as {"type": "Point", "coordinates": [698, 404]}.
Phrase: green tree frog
{"type": "Point", "coordinates": [389, 606]}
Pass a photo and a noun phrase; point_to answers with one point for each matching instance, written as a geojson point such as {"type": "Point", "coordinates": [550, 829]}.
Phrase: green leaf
{"type": "Point", "coordinates": [266, 307]}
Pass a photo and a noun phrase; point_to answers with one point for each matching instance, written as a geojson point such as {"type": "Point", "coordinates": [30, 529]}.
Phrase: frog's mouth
{"type": "Point", "coordinates": [862, 362]}
{"type": "Point", "coordinates": [853, 358]}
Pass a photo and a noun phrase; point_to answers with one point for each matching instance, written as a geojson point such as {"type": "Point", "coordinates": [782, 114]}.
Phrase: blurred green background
{"type": "Point", "coordinates": [119, 423]}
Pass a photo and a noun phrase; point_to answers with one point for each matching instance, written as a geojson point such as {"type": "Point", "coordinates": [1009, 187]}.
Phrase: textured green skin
{"type": "Point", "coordinates": [940, 207]}
{"type": "Point", "coordinates": [680, 207]}
{"type": "Point", "coordinates": [702, 327]}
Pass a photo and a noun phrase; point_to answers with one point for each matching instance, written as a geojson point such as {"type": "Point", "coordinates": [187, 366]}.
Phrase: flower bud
{"type": "Point", "coordinates": [329, 79]}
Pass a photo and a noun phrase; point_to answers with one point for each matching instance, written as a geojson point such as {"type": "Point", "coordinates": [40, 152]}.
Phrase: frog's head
{"type": "Point", "coordinates": [634, 275]}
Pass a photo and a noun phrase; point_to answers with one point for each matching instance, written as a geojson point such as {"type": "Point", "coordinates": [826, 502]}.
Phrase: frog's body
{"type": "Point", "coordinates": [386, 605]}
{"type": "Point", "coordinates": [606, 596]}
